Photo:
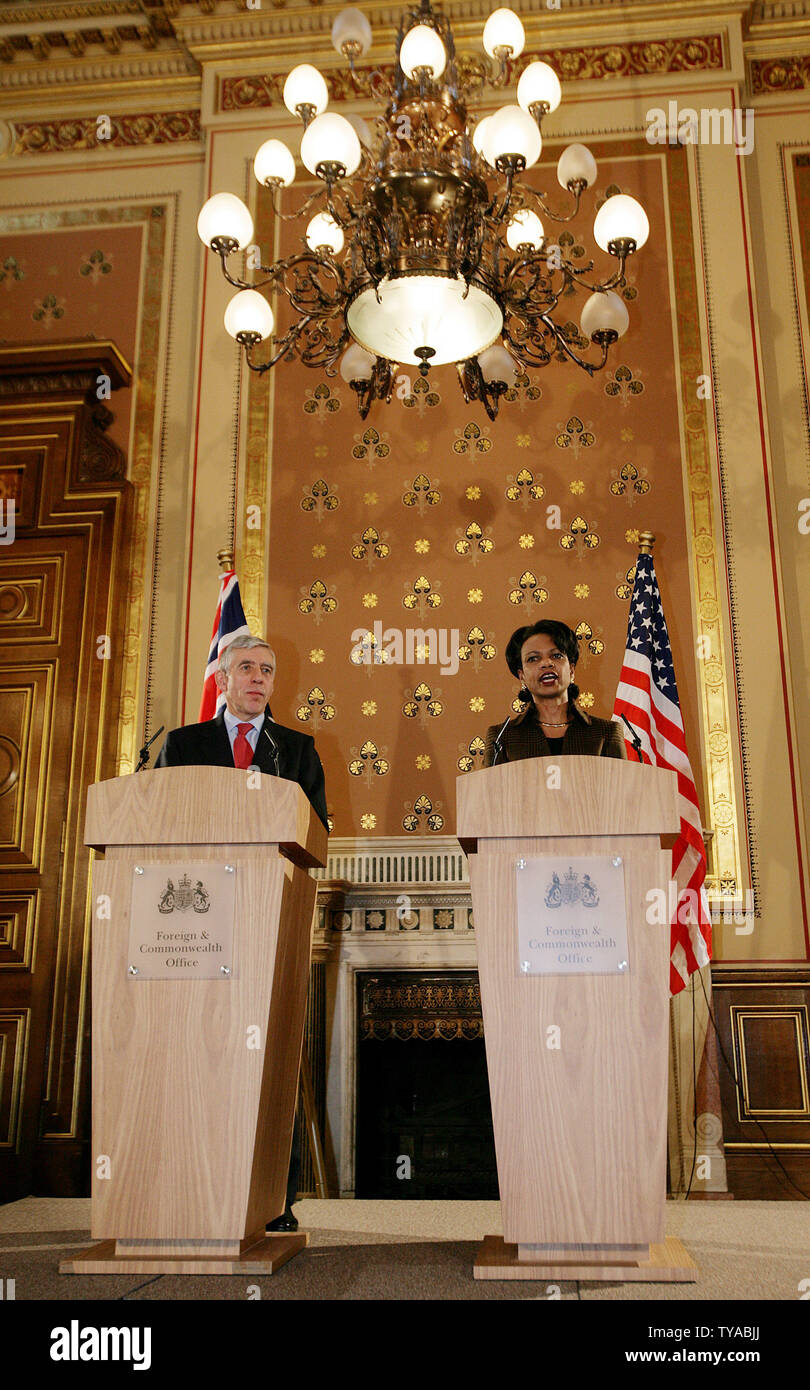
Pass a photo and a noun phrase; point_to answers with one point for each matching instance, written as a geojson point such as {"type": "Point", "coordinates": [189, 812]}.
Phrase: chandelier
{"type": "Point", "coordinates": [427, 249]}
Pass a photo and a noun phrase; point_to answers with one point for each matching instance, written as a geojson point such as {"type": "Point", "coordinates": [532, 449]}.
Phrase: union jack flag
{"type": "Point", "coordinates": [648, 696]}
{"type": "Point", "coordinates": [229, 622]}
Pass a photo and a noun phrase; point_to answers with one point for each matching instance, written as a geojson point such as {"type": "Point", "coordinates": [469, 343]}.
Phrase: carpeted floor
{"type": "Point", "coordinates": [419, 1251]}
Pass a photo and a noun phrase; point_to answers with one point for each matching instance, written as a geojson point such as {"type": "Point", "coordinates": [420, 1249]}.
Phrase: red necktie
{"type": "Point", "coordinates": [242, 751]}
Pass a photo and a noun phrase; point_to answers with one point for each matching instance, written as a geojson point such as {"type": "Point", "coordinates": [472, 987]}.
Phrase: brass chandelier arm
{"type": "Point", "coordinates": [275, 193]}
{"type": "Point", "coordinates": [540, 199]}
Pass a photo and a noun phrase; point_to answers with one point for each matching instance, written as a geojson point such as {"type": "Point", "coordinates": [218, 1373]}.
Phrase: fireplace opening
{"type": "Point", "coordinates": [424, 1122]}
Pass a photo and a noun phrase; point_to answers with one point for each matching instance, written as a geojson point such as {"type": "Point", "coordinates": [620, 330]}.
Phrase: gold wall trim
{"type": "Point", "coordinates": [724, 878]}
{"type": "Point", "coordinates": [126, 131]}
{"type": "Point", "coordinates": [779, 74]}
{"type": "Point", "coordinates": [250, 558]}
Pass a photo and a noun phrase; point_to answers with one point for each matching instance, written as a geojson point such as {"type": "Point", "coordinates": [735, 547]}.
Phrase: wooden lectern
{"type": "Point", "coordinates": [577, 1061]}
{"type": "Point", "coordinates": [195, 1079]}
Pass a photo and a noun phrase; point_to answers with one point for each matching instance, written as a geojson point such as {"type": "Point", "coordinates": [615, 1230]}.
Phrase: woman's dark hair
{"type": "Point", "coordinates": [560, 634]}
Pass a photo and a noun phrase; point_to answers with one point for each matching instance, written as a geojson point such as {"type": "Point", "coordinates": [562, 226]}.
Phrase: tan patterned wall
{"type": "Point", "coordinates": [427, 517]}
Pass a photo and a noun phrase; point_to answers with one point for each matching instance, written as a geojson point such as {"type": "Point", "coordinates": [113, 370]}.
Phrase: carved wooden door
{"type": "Point", "coordinates": [60, 552]}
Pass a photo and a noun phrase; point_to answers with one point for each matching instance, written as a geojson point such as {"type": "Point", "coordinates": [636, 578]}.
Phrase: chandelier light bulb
{"type": "Point", "coordinates": [621, 218]}
{"type": "Point", "coordinates": [503, 30]}
{"type": "Point", "coordinates": [480, 138]}
{"type": "Point", "coordinates": [323, 230]}
{"type": "Point", "coordinates": [575, 164]}
{"type": "Point", "coordinates": [525, 229]}
{"type": "Point", "coordinates": [329, 139]}
{"type": "Point", "coordinates": [356, 364]}
{"type": "Point", "coordinates": [497, 365]}
{"type": "Point", "coordinates": [305, 87]}
{"type": "Point", "coordinates": [249, 313]}
{"type": "Point", "coordinates": [539, 83]}
{"type": "Point", "coordinates": [351, 33]}
{"type": "Point", "coordinates": [513, 132]}
{"type": "Point", "coordinates": [225, 217]}
{"type": "Point", "coordinates": [604, 312]}
{"type": "Point", "coordinates": [422, 48]}
{"type": "Point", "coordinates": [274, 164]}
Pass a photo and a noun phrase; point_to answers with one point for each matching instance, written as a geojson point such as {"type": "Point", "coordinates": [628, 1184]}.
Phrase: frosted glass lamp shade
{"type": "Point", "coordinates": [305, 87]}
{"type": "Point", "coordinates": [323, 230]}
{"type": "Point", "coordinates": [576, 163]}
{"type": "Point", "coordinates": [539, 82]}
{"type": "Point", "coordinates": [480, 137]}
{"type": "Point", "coordinates": [248, 312]}
{"type": "Point", "coordinates": [525, 229]}
{"type": "Point", "coordinates": [497, 364]}
{"type": "Point", "coordinates": [621, 218]}
{"type": "Point", "coordinates": [418, 311]}
{"type": "Point", "coordinates": [422, 48]}
{"type": "Point", "coordinates": [356, 364]}
{"type": "Point", "coordinates": [361, 128]}
{"type": "Point", "coordinates": [225, 216]}
{"type": "Point", "coordinates": [513, 132]}
{"type": "Point", "coordinates": [503, 29]}
{"type": "Point", "coordinates": [329, 139]}
{"type": "Point", "coordinates": [274, 164]}
{"type": "Point", "coordinates": [351, 27]}
{"type": "Point", "coordinates": [604, 311]}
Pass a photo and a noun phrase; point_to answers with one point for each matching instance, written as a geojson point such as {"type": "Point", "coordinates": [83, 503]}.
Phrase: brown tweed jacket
{"type": "Point", "coordinates": [524, 738]}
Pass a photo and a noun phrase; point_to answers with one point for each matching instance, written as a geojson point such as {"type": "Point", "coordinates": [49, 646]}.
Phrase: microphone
{"type": "Point", "coordinates": [634, 738]}
{"type": "Point", "coordinates": [273, 745]}
{"type": "Point", "coordinates": [498, 739]}
{"type": "Point", "coordinates": [143, 756]}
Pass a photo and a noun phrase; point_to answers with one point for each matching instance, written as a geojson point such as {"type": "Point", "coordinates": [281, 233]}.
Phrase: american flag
{"type": "Point", "coordinates": [229, 622]}
{"type": "Point", "coordinates": [648, 696]}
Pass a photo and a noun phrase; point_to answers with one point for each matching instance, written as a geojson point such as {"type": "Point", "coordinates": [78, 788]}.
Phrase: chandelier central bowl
{"type": "Point", "coordinates": [413, 311]}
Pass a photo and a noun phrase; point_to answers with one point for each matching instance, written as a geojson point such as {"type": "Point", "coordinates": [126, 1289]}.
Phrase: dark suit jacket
{"type": "Point", "coordinates": [208, 745]}
{"type": "Point", "coordinates": [524, 738]}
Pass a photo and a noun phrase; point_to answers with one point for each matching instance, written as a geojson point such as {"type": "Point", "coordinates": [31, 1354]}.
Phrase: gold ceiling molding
{"type": "Point", "coordinates": [39, 78]}
{"type": "Point", "coordinates": [699, 53]}
{"type": "Point", "coordinates": [149, 128]}
{"type": "Point", "coordinates": [779, 74]}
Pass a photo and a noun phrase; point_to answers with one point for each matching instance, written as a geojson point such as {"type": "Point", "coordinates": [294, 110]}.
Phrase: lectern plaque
{"type": "Point", "coordinates": [571, 915]}
{"type": "Point", "coordinates": [181, 924]}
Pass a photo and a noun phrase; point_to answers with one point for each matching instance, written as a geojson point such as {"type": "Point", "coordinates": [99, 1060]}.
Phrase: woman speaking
{"type": "Point", "coordinates": [544, 658]}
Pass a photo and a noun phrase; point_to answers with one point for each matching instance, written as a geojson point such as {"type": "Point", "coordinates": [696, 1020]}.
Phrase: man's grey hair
{"type": "Point", "coordinates": [244, 642]}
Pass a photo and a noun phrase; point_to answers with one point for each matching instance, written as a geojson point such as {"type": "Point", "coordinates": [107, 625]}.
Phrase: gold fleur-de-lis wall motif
{"type": "Point", "coordinates": [477, 648]}
{"type": "Point", "coordinates": [422, 704]}
{"type": "Point", "coordinates": [623, 385]}
{"type": "Point", "coordinates": [523, 392]}
{"type": "Point", "coordinates": [579, 537]}
{"type": "Point", "coordinates": [523, 488]}
{"type": "Point", "coordinates": [421, 595]}
{"type": "Point", "coordinates": [320, 403]}
{"type": "Point", "coordinates": [421, 494]}
{"type": "Point", "coordinates": [317, 710]}
{"type": "Point", "coordinates": [318, 500]}
{"type": "Point", "coordinates": [629, 483]}
{"type": "Point", "coordinates": [371, 446]}
{"type": "Point", "coordinates": [573, 335]}
{"type": "Point", "coordinates": [368, 762]}
{"type": "Point", "coordinates": [317, 600]}
{"type": "Point", "coordinates": [472, 439]}
{"type": "Point", "coordinates": [528, 589]}
{"type": "Point", "coordinates": [422, 397]}
{"type": "Point", "coordinates": [422, 807]}
{"type": "Point", "coordinates": [474, 756]}
{"type": "Point", "coordinates": [624, 589]}
{"type": "Point", "coordinates": [369, 652]}
{"type": "Point", "coordinates": [474, 542]}
{"type": "Point", "coordinates": [371, 546]}
{"type": "Point", "coordinates": [574, 436]}
{"type": "Point", "coordinates": [588, 642]}
{"type": "Point", "coordinates": [573, 249]}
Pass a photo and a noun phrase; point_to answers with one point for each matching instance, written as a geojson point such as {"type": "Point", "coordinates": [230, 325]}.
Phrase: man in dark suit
{"type": "Point", "coordinates": [244, 734]}
{"type": "Point", "coordinates": [544, 658]}
{"type": "Point", "coordinates": [246, 676]}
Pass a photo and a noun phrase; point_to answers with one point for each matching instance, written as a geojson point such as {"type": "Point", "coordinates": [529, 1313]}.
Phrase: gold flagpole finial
{"type": "Point", "coordinates": [225, 559]}
{"type": "Point", "coordinates": [646, 541]}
